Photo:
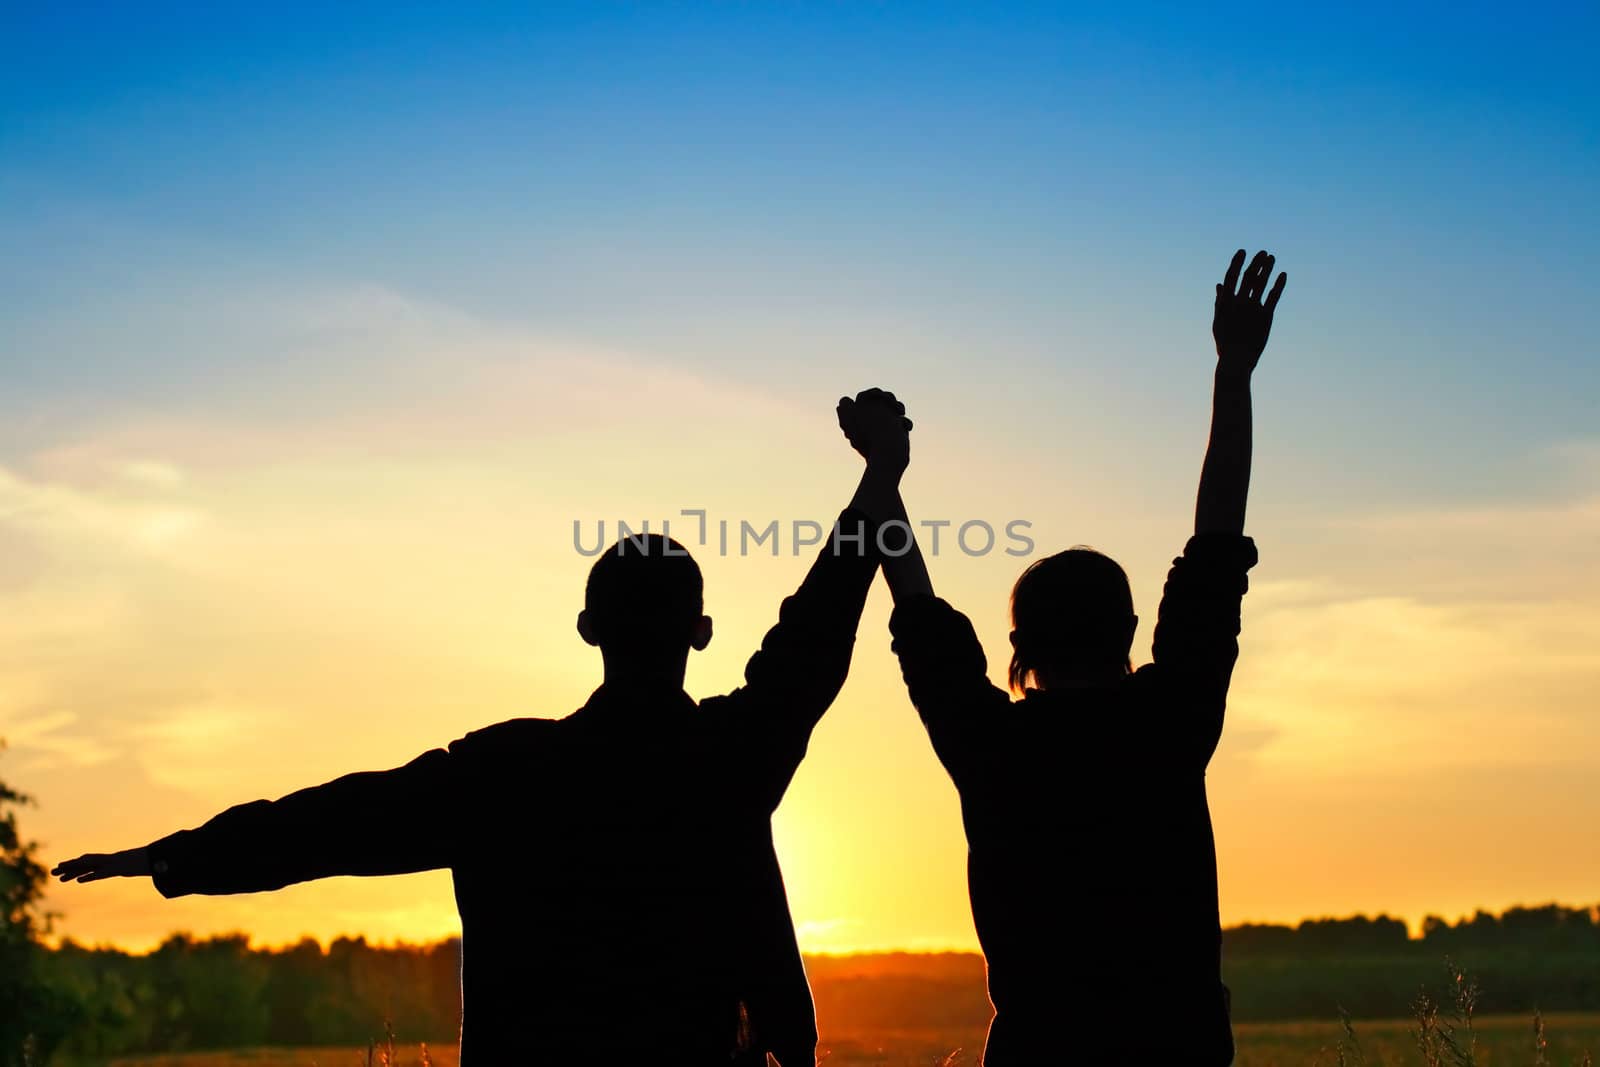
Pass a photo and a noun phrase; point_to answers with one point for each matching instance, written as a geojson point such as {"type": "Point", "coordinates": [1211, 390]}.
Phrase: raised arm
{"type": "Point", "coordinates": [380, 822]}
{"type": "Point", "coordinates": [1197, 630]}
{"type": "Point", "coordinates": [876, 426]}
{"type": "Point", "coordinates": [1239, 325]}
{"type": "Point", "coordinates": [941, 660]}
{"type": "Point", "coordinates": [803, 661]}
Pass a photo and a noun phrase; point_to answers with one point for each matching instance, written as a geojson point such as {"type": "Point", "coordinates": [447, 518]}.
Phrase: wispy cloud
{"type": "Point", "coordinates": [50, 740]}
{"type": "Point", "coordinates": [151, 472]}
{"type": "Point", "coordinates": [1428, 638]}
{"type": "Point", "coordinates": [64, 513]}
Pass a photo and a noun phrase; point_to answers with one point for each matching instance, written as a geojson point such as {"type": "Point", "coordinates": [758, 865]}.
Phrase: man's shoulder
{"type": "Point", "coordinates": [511, 736]}
{"type": "Point", "coordinates": [715, 716]}
{"type": "Point", "coordinates": [711, 709]}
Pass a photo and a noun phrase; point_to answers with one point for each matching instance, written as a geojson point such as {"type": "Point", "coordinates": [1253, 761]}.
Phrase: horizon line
{"type": "Point", "coordinates": [55, 941]}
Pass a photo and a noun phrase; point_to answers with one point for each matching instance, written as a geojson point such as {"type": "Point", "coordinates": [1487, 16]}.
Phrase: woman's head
{"type": "Point", "coordinates": [1071, 618]}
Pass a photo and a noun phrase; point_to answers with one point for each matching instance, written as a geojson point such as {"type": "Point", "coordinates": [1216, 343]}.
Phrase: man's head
{"type": "Point", "coordinates": [1071, 620]}
{"type": "Point", "coordinates": [643, 601]}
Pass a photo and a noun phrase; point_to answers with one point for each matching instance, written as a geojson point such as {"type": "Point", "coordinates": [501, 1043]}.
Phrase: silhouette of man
{"type": "Point", "coordinates": [1091, 865]}
{"type": "Point", "coordinates": [620, 898]}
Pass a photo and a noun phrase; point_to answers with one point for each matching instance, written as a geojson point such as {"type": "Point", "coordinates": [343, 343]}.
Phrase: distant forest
{"type": "Point", "coordinates": [221, 993]}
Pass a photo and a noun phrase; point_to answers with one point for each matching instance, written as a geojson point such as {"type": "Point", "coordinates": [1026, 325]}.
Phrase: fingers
{"type": "Point", "coordinates": [1266, 274]}
{"type": "Point", "coordinates": [1230, 280]}
{"type": "Point", "coordinates": [1254, 280]}
{"type": "Point", "coordinates": [882, 396]}
{"type": "Point", "coordinates": [852, 411]}
{"type": "Point", "coordinates": [81, 869]}
{"type": "Point", "coordinates": [1251, 282]}
{"type": "Point", "coordinates": [1277, 291]}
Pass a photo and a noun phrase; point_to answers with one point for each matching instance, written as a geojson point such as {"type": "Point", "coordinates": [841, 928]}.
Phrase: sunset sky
{"type": "Point", "coordinates": [320, 331]}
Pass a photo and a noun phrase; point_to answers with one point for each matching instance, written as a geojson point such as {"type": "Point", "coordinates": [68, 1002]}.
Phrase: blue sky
{"type": "Point", "coordinates": [286, 292]}
{"type": "Point", "coordinates": [1008, 181]}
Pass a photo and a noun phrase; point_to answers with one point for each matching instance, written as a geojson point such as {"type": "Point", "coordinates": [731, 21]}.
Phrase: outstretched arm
{"type": "Point", "coordinates": [383, 822]}
{"type": "Point", "coordinates": [1240, 326]}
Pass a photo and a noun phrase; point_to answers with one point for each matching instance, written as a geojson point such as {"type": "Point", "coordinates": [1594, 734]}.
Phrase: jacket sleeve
{"type": "Point", "coordinates": [947, 676]}
{"type": "Point", "coordinates": [1197, 631]}
{"type": "Point", "coordinates": [378, 822]}
{"type": "Point", "coordinates": [803, 660]}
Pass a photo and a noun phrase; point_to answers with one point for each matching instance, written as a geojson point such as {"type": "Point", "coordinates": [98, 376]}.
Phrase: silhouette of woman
{"type": "Point", "coordinates": [1091, 865]}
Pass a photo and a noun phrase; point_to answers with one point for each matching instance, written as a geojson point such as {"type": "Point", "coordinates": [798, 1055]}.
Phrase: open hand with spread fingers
{"type": "Point", "coordinates": [1243, 319]}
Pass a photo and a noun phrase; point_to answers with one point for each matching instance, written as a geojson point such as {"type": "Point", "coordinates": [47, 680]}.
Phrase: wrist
{"type": "Point", "coordinates": [889, 467]}
{"type": "Point", "coordinates": [1232, 377]}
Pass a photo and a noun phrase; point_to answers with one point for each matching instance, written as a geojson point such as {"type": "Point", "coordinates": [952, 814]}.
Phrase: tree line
{"type": "Point", "coordinates": [221, 992]}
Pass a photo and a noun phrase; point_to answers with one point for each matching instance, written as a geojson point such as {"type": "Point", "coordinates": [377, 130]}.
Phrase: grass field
{"type": "Point", "coordinates": [1503, 1041]}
